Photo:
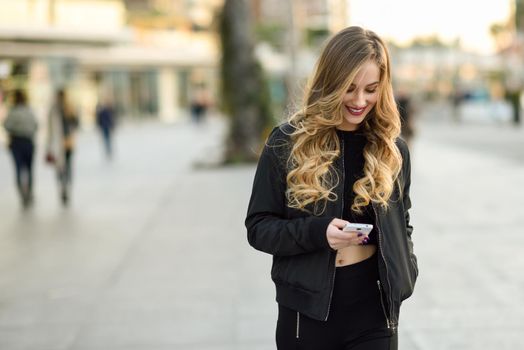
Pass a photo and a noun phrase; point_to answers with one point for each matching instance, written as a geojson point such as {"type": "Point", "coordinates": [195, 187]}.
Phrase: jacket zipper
{"type": "Point", "coordinates": [379, 235]}
{"type": "Point", "coordinates": [341, 213]}
{"type": "Point", "coordinates": [298, 325]}
{"type": "Point", "coordinates": [382, 303]}
{"type": "Point", "coordinates": [331, 293]}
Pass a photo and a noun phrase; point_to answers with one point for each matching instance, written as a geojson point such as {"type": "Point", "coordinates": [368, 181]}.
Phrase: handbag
{"type": "Point", "coordinates": [50, 158]}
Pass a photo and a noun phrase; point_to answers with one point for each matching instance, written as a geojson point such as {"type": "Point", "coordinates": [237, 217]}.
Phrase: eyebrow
{"type": "Point", "coordinates": [374, 83]}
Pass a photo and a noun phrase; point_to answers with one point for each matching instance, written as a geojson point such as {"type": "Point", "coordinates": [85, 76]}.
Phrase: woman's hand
{"type": "Point", "coordinates": [339, 239]}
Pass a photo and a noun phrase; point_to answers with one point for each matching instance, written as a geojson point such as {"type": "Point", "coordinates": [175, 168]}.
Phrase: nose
{"type": "Point", "coordinates": [359, 99]}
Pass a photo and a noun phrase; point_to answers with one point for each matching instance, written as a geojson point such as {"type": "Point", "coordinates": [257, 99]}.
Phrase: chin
{"type": "Point", "coordinates": [354, 120]}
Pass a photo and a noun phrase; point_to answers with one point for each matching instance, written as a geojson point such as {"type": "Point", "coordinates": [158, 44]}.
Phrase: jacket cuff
{"type": "Point", "coordinates": [318, 230]}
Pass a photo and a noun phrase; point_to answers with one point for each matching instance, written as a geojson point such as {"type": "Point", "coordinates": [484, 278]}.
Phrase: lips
{"type": "Point", "coordinates": [355, 111]}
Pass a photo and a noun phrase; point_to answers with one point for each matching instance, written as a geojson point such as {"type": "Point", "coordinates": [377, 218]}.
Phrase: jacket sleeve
{"type": "Point", "coordinates": [8, 123]}
{"type": "Point", "coordinates": [267, 228]}
{"type": "Point", "coordinates": [406, 200]}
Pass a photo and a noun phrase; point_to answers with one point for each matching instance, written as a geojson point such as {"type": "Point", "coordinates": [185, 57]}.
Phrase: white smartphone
{"type": "Point", "coordinates": [354, 227]}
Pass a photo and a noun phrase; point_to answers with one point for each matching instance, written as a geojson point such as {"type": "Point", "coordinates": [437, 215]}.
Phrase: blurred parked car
{"type": "Point", "coordinates": [477, 106]}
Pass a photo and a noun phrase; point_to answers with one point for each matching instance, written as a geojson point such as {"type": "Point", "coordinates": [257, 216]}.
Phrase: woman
{"type": "Point", "coordinates": [60, 142]}
{"type": "Point", "coordinates": [338, 160]}
{"type": "Point", "coordinates": [21, 125]}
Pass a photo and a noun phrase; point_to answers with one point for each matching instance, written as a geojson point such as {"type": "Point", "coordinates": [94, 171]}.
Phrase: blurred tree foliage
{"type": "Point", "coordinates": [245, 92]}
{"type": "Point", "coordinates": [428, 41]}
{"type": "Point", "coordinates": [271, 33]}
{"type": "Point", "coordinates": [315, 37]}
{"type": "Point", "coordinates": [501, 34]}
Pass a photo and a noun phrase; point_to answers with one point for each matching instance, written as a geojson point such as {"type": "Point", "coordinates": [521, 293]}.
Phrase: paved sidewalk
{"type": "Point", "coordinates": [152, 253]}
{"type": "Point", "coordinates": [469, 235]}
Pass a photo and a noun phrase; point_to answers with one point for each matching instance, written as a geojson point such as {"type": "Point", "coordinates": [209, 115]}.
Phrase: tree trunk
{"type": "Point", "coordinates": [244, 89]}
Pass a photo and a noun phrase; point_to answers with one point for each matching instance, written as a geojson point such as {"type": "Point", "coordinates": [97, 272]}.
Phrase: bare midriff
{"type": "Point", "coordinates": [354, 254]}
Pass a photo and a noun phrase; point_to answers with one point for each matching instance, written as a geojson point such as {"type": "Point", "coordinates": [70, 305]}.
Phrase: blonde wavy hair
{"type": "Point", "coordinates": [311, 177]}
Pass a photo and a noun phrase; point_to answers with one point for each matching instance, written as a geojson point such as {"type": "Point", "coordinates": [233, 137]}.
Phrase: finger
{"type": "Point", "coordinates": [353, 235]}
{"type": "Point", "coordinates": [339, 223]}
{"type": "Point", "coordinates": [341, 238]}
{"type": "Point", "coordinates": [344, 236]}
{"type": "Point", "coordinates": [364, 241]}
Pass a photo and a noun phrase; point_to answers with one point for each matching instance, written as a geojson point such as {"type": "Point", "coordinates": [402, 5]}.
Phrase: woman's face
{"type": "Point", "coordinates": [361, 96]}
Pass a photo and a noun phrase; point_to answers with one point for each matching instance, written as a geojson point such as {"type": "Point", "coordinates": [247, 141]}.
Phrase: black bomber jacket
{"type": "Point", "coordinates": [303, 267]}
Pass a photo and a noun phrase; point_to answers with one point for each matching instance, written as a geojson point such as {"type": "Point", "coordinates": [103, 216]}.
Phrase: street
{"type": "Point", "coordinates": [152, 252]}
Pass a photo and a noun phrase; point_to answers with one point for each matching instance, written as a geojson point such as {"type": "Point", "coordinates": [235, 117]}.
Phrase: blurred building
{"type": "Point", "coordinates": [435, 70]}
{"type": "Point", "coordinates": [509, 37]}
{"type": "Point", "coordinates": [196, 15]}
{"type": "Point", "coordinates": [311, 20]}
{"type": "Point", "coordinates": [145, 55]}
{"type": "Point", "coordinates": [290, 34]}
{"type": "Point", "coordinates": [41, 41]}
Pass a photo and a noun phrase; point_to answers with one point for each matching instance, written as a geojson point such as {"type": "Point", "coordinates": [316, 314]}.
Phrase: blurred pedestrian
{"type": "Point", "coordinates": [514, 98]}
{"type": "Point", "coordinates": [21, 126]}
{"type": "Point", "coordinates": [457, 97]}
{"type": "Point", "coordinates": [62, 124]}
{"type": "Point", "coordinates": [200, 103]}
{"type": "Point", "coordinates": [339, 159]}
{"type": "Point", "coordinates": [105, 120]}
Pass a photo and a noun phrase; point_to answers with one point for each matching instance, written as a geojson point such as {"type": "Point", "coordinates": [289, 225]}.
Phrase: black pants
{"type": "Point", "coordinates": [22, 150]}
{"type": "Point", "coordinates": [106, 136]}
{"type": "Point", "coordinates": [65, 176]}
{"type": "Point", "coordinates": [356, 320]}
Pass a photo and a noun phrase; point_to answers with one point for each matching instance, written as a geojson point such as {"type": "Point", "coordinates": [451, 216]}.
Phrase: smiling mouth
{"type": "Point", "coordinates": [355, 111]}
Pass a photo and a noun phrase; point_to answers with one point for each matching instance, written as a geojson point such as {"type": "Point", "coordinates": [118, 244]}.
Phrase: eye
{"type": "Point", "coordinates": [371, 91]}
{"type": "Point", "coordinates": [351, 89]}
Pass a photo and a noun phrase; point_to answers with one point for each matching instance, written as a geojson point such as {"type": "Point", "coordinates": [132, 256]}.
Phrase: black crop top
{"type": "Point", "coordinates": [354, 142]}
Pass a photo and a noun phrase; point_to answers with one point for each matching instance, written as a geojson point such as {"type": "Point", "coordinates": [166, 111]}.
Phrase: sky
{"type": "Point", "coordinates": [402, 20]}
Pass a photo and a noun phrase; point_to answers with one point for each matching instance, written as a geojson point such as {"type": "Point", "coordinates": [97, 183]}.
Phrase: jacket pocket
{"type": "Point", "coordinates": [411, 279]}
{"type": "Point", "coordinates": [413, 272]}
{"type": "Point", "coordinates": [305, 271]}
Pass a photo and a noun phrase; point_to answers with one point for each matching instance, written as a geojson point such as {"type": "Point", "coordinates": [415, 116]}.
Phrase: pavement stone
{"type": "Point", "coordinates": [152, 253]}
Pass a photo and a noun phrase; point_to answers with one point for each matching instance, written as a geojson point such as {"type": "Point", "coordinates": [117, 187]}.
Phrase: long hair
{"type": "Point", "coordinates": [20, 98]}
{"type": "Point", "coordinates": [63, 102]}
{"type": "Point", "coordinates": [315, 144]}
